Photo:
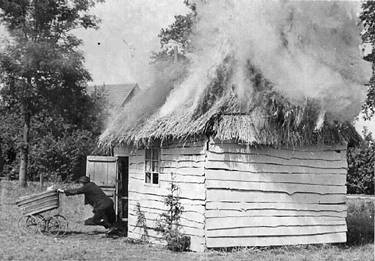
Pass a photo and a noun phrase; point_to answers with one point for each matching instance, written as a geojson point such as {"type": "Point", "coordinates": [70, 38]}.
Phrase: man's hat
{"type": "Point", "coordinates": [84, 179]}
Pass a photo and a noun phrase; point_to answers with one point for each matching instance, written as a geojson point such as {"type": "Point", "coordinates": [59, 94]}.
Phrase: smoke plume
{"type": "Point", "coordinates": [307, 50]}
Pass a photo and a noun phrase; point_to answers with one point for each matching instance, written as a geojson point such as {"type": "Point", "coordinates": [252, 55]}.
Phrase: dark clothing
{"type": "Point", "coordinates": [94, 195]}
{"type": "Point", "coordinates": [104, 213]}
{"type": "Point", "coordinates": [103, 216]}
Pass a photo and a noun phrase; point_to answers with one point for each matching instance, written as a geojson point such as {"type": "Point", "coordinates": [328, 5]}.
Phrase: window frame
{"type": "Point", "coordinates": [150, 162]}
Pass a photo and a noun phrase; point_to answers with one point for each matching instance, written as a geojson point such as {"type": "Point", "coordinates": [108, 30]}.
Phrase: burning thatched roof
{"type": "Point", "coordinates": [278, 73]}
{"type": "Point", "coordinates": [274, 121]}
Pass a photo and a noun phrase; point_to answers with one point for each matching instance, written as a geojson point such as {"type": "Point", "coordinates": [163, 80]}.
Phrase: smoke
{"type": "Point", "coordinates": [307, 50]}
{"type": "Point", "coordinates": [165, 76]}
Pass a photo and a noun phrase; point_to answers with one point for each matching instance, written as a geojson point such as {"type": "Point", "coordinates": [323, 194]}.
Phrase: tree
{"type": "Point", "coordinates": [367, 18]}
{"type": "Point", "coordinates": [360, 179]}
{"type": "Point", "coordinates": [41, 66]}
{"type": "Point", "coordinates": [177, 35]}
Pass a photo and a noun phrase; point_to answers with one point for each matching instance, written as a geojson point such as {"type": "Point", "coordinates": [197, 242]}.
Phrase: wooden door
{"type": "Point", "coordinates": [102, 170]}
{"type": "Point", "coordinates": [123, 180]}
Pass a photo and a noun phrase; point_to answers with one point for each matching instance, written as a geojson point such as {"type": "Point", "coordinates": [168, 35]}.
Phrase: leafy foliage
{"type": "Point", "coordinates": [58, 148]}
{"type": "Point", "coordinates": [367, 18]}
{"type": "Point", "coordinates": [360, 222]}
{"type": "Point", "coordinates": [141, 222]}
{"type": "Point", "coordinates": [177, 35]}
{"type": "Point", "coordinates": [169, 222]}
{"type": "Point", "coordinates": [41, 68]}
{"type": "Point", "coordinates": [361, 160]}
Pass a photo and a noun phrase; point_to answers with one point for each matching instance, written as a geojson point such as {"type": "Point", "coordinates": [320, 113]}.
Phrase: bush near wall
{"type": "Point", "coordinates": [63, 158]}
{"type": "Point", "coordinates": [361, 160]}
{"type": "Point", "coordinates": [360, 221]}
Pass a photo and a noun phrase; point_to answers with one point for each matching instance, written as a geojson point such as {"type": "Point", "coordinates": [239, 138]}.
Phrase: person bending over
{"type": "Point", "coordinates": [104, 214]}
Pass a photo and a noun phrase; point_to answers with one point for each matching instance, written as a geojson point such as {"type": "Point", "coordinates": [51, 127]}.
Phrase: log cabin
{"type": "Point", "coordinates": [244, 179]}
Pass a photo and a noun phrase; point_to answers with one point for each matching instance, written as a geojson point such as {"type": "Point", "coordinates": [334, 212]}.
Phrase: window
{"type": "Point", "coordinates": [152, 160]}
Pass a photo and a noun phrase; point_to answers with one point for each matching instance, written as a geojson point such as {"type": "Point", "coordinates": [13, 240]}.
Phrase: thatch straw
{"type": "Point", "coordinates": [267, 118]}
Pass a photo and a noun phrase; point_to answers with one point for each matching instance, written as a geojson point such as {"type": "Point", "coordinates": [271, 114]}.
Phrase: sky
{"type": "Point", "coordinates": [119, 51]}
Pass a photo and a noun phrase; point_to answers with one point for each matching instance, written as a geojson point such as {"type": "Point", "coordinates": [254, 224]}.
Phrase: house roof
{"type": "Point", "coordinates": [276, 123]}
{"type": "Point", "coordinates": [265, 118]}
{"type": "Point", "coordinates": [119, 94]}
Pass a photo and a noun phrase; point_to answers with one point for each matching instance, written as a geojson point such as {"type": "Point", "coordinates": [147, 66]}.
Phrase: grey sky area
{"type": "Point", "coordinates": [119, 51]}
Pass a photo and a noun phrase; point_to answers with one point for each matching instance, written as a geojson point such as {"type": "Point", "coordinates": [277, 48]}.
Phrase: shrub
{"type": "Point", "coordinates": [169, 222]}
{"type": "Point", "coordinates": [360, 222]}
{"type": "Point", "coordinates": [361, 159]}
{"type": "Point", "coordinates": [61, 158]}
{"type": "Point", "coordinates": [141, 222]}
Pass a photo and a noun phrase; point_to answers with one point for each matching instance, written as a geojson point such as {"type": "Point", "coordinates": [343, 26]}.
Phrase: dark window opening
{"type": "Point", "coordinates": [152, 162]}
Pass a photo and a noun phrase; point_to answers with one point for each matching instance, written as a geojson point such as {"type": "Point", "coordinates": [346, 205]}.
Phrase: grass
{"type": "Point", "coordinates": [90, 243]}
{"type": "Point", "coordinates": [360, 221]}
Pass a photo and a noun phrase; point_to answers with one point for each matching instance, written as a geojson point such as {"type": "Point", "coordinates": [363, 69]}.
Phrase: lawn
{"type": "Point", "coordinates": [90, 243]}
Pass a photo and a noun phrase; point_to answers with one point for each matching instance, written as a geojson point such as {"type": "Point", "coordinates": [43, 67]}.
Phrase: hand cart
{"type": "Point", "coordinates": [34, 220]}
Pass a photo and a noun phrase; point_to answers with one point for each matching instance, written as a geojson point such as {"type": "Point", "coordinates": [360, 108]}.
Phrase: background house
{"type": "Point", "coordinates": [117, 94]}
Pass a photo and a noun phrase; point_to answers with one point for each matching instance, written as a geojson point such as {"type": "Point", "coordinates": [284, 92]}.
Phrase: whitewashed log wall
{"type": "Point", "coordinates": [264, 196]}
{"type": "Point", "coordinates": [186, 164]}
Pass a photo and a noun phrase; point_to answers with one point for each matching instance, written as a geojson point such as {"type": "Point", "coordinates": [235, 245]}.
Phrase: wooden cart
{"type": "Point", "coordinates": [34, 220]}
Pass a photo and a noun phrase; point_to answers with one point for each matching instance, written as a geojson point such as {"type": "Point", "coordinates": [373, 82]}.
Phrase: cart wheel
{"type": "Point", "coordinates": [57, 225]}
{"type": "Point", "coordinates": [29, 224]}
{"type": "Point", "coordinates": [42, 222]}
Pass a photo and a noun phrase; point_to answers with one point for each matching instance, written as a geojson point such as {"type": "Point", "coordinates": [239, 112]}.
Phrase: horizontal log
{"type": "Point", "coordinates": [270, 168]}
{"type": "Point", "coordinates": [136, 195]}
{"type": "Point", "coordinates": [177, 179]}
{"type": "Point", "coordinates": [264, 197]}
{"type": "Point", "coordinates": [306, 148]}
{"type": "Point", "coordinates": [187, 227]}
{"type": "Point", "coordinates": [182, 164]}
{"type": "Point", "coordinates": [238, 222]}
{"type": "Point", "coordinates": [187, 190]}
{"type": "Point", "coordinates": [174, 157]}
{"type": "Point", "coordinates": [160, 204]}
{"type": "Point", "coordinates": [299, 178]}
{"type": "Point", "coordinates": [184, 151]}
{"type": "Point", "coordinates": [275, 187]}
{"type": "Point", "coordinates": [135, 159]}
{"type": "Point", "coordinates": [276, 231]}
{"type": "Point", "coordinates": [139, 169]}
{"type": "Point", "coordinates": [171, 163]}
{"type": "Point", "coordinates": [277, 160]}
{"type": "Point", "coordinates": [184, 171]}
{"type": "Point", "coordinates": [272, 213]}
{"type": "Point", "coordinates": [191, 216]}
{"type": "Point", "coordinates": [276, 241]}
{"type": "Point", "coordinates": [304, 153]}
{"type": "Point", "coordinates": [242, 206]}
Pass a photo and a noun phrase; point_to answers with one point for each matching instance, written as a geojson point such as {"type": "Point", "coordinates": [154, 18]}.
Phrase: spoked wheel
{"type": "Point", "coordinates": [30, 224]}
{"type": "Point", "coordinates": [57, 225]}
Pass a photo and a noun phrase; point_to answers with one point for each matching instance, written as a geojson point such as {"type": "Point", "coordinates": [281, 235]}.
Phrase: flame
{"type": "Point", "coordinates": [307, 50]}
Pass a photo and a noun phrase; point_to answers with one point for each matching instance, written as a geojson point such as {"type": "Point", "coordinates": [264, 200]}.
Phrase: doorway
{"type": "Point", "coordinates": [122, 190]}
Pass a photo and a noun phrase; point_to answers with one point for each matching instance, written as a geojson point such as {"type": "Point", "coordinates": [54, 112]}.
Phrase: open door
{"type": "Point", "coordinates": [102, 170]}
{"type": "Point", "coordinates": [111, 174]}
{"type": "Point", "coordinates": [123, 180]}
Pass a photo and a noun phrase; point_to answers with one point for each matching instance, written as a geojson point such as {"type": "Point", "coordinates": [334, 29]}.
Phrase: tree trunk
{"type": "Point", "coordinates": [41, 180]}
{"type": "Point", "coordinates": [24, 150]}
